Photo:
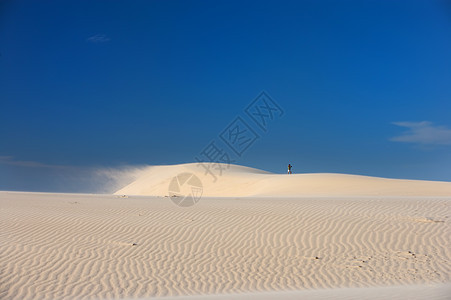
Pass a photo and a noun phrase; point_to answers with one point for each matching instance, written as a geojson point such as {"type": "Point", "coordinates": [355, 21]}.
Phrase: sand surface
{"type": "Point", "coordinates": [221, 180]}
{"type": "Point", "coordinates": [286, 236]}
{"type": "Point", "coordinates": [410, 292]}
{"type": "Point", "coordinates": [55, 246]}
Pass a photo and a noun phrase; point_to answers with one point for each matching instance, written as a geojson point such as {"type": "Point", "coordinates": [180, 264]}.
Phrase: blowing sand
{"type": "Point", "coordinates": [72, 246]}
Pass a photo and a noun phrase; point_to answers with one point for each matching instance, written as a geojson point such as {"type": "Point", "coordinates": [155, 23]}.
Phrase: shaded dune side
{"type": "Point", "coordinates": [239, 181]}
{"type": "Point", "coordinates": [60, 246]}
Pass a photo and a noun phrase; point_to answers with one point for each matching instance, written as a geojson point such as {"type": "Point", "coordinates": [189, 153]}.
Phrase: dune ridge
{"type": "Point", "coordinates": [240, 181]}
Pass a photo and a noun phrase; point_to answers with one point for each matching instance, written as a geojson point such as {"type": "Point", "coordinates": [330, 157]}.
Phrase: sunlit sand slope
{"type": "Point", "coordinates": [238, 181]}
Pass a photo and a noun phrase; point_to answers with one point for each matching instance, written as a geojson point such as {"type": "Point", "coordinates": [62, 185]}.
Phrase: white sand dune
{"type": "Point", "coordinates": [239, 181]}
{"type": "Point", "coordinates": [69, 246]}
{"type": "Point", "coordinates": [297, 232]}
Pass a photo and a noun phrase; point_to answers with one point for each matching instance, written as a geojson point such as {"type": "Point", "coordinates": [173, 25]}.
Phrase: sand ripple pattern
{"type": "Point", "coordinates": [65, 246]}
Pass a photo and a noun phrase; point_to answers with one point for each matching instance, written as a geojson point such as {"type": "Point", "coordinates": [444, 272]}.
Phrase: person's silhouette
{"type": "Point", "coordinates": [289, 168]}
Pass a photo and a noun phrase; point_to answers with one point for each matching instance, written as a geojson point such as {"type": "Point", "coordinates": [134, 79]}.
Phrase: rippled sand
{"type": "Point", "coordinates": [106, 246]}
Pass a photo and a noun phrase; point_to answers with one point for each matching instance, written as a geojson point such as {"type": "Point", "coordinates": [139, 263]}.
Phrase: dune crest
{"type": "Point", "coordinates": [240, 181]}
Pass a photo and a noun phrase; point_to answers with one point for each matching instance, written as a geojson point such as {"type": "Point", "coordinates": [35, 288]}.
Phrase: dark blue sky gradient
{"type": "Point", "coordinates": [173, 74]}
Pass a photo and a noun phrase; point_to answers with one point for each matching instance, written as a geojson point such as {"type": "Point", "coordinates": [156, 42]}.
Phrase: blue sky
{"type": "Point", "coordinates": [85, 85]}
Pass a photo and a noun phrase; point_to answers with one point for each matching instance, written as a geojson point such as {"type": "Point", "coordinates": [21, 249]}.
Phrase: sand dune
{"type": "Point", "coordinates": [68, 246]}
{"type": "Point", "coordinates": [239, 181]}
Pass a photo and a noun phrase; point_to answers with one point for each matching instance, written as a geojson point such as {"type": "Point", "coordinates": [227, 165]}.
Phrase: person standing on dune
{"type": "Point", "coordinates": [289, 168]}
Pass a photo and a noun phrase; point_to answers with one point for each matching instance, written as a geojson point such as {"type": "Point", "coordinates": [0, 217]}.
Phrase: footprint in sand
{"type": "Point", "coordinates": [428, 220]}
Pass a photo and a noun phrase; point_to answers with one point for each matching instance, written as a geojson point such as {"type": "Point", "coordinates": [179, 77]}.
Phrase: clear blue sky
{"type": "Point", "coordinates": [365, 86]}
